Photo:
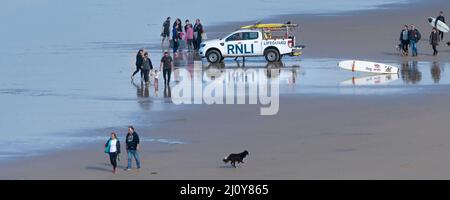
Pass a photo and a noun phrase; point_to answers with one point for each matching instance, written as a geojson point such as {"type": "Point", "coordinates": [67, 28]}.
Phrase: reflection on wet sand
{"type": "Point", "coordinates": [370, 80]}
{"type": "Point", "coordinates": [237, 73]}
{"type": "Point", "coordinates": [410, 72]}
{"type": "Point", "coordinates": [435, 72]}
{"type": "Point", "coordinates": [141, 90]}
{"type": "Point", "coordinates": [271, 70]}
{"type": "Point", "coordinates": [167, 92]}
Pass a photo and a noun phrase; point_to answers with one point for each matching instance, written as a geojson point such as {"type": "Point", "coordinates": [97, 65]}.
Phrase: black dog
{"type": "Point", "coordinates": [236, 157]}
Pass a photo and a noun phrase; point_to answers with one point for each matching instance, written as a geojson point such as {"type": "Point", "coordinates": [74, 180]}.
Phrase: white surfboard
{"type": "Point", "coordinates": [370, 80]}
{"type": "Point", "coordinates": [440, 25]}
{"type": "Point", "coordinates": [366, 66]}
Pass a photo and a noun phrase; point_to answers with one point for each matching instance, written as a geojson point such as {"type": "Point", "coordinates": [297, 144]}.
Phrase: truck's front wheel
{"type": "Point", "coordinates": [213, 56]}
{"type": "Point", "coordinates": [272, 55]}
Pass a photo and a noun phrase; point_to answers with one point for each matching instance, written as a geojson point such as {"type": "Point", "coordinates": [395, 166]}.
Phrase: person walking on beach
{"type": "Point", "coordinates": [434, 40]}
{"type": "Point", "coordinates": [146, 67]}
{"type": "Point", "coordinates": [414, 37]}
{"type": "Point", "coordinates": [112, 147]}
{"type": "Point", "coordinates": [139, 58]}
{"type": "Point", "coordinates": [198, 31]}
{"type": "Point", "coordinates": [442, 19]}
{"type": "Point", "coordinates": [132, 144]}
{"type": "Point", "coordinates": [404, 40]}
{"type": "Point", "coordinates": [165, 34]}
{"type": "Point", "coordinates": [189, 37]}
{"type": "Point", "coordinates": [167, 67]}
{"type": "Point", "coordinates": [175, 39]}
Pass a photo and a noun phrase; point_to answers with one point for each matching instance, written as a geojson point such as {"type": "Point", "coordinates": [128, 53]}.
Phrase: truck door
{"type": "Point", "coordinates": [234, 45]}
{"type": "Point", "coordinates": [253, 44]}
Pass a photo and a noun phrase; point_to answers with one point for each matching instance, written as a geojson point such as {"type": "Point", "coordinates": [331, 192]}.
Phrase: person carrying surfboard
{"type": "Point", "coordinates": [434, 40]}
{"type": "Point", "coordinates": [414, 37]}
{"type": "Point", "coordinates": [442, 19]}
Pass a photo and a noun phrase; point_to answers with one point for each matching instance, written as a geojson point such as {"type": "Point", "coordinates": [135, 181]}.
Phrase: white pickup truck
{"type": "Point", "coordinates": [269, 40]}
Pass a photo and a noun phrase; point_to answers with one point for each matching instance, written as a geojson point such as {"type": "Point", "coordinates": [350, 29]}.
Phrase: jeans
{"type": "Point", "coordinates": [167, 72]}
{"type": "Point", "coordinates": [198, 41]}
{"type": "Point", "coordinates": [175, 45]}
{"type": "Point", "coordinates": [146, 73]}
{"type": "Point", "coordinates": [414, 48]}
{"type": "Point", "coordinates": [435, 52]}
{"type": "Point", "coordinates": [190, 43]}
{"type": "Point", "coordinates": [135, 154]}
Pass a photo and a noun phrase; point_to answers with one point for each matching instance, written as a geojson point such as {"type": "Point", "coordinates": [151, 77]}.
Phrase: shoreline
{"type": "Point", "coordinates": [78, 154]}
{"type": "Point", "coordinates": [314, 149]}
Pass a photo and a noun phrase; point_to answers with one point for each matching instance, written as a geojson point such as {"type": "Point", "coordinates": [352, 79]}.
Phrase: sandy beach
{"type": "Point", "coordinates": [343, 137]}
{"type": "Point", "coordinates": [401, 136]}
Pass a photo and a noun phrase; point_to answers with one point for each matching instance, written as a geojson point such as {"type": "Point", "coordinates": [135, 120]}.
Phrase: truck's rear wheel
{"type": "Point", "coordinates": [272, 55]}
{"type": "Point", "coordinates": [213, 56]}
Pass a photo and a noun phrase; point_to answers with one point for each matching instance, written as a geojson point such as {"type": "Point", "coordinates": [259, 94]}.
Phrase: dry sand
{"type": "Point", "coordinates": [312, 137]}
{"type": "Point", "coordinates": [335, 137]}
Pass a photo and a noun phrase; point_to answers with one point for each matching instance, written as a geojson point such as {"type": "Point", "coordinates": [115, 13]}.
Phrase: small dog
{"type": "Point", "coordinates": [400, 51]}
{"type": "Point", "coordinates": [448, 43]}
{"type": "Point", "coordinates": [235, 157]}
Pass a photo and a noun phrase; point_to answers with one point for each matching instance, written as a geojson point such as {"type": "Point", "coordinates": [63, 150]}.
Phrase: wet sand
{"type": "Point", "coordinates": [365, 35]}
{"type": "Point", "coordinates": [337, 137]}
{"type": "Point", "coordinates": [313, 136]}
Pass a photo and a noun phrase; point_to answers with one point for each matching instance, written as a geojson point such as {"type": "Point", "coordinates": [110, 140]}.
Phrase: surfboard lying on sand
{"type": "Point", "coordinates": [370, 80]}
{"type": "Point", "coordinates": [440, 25]}
{"type": "Point", "coordinates": [366, 66]}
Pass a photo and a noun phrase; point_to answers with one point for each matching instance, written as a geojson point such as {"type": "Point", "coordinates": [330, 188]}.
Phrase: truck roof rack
{"type": "Point", "coordinates": [270, 26]}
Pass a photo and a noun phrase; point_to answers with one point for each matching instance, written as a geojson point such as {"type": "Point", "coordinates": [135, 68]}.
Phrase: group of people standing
{"type": "Point", "coordinates": [145, 66]}
{"type": "Point", "coordinates": [410, 36]}
{"type": "Point", "coordinates": [112, 148]}
{"type": "Point", "coordinates": [192, 34]}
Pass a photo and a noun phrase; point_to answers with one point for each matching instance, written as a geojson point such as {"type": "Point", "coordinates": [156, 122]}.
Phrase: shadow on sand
{"type": "Point", "coordinates": [105, 167]}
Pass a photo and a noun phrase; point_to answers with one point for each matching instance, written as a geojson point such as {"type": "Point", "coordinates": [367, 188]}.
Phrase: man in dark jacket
{"type": "Point", "coordinates": [132, 146]}
{"type": "Point", "coordinates": [414, 37]}
{"type": "Point", "coordinates": [434, 40]}
{"type": "Point", "coordinates": [198, 30]}
{"type": "Point", "coordinates": [404, 39]}
{"type": "Point", "coordinates": [442, 19]}
{"type": "Point", "coordinates": [165, 31]}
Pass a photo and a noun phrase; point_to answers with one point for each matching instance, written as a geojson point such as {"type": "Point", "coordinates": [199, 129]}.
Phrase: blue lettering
{"type": "Point", "coordinates": [238, 49]}
{"type": "Point", "coordinates": [246, 50]}
{"type": "Point", "coordinates": [230, 49]}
